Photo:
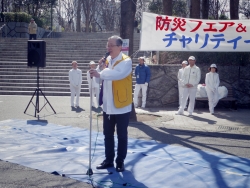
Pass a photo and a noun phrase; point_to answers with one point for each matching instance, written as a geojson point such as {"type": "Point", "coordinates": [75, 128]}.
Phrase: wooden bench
{"type": "Point", "coordinates": [230, 98]}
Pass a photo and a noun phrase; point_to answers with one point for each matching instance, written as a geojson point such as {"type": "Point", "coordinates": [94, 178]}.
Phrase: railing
{"type": "Point", "coordinates": [1, 33]}
{"type": "Point", "coordinates": [51, 34]}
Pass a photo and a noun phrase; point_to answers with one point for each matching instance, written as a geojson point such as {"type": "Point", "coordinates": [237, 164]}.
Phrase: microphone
{"type": "Point", "coordinates": [104, 59]}
{"type": "Point", "coordinates": [106, 55]}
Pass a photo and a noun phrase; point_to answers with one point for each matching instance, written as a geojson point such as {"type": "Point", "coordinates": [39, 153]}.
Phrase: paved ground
{"type": "Point", "coordinates": [227, 131]}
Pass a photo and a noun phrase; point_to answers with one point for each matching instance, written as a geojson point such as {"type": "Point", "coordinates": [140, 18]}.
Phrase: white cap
{"type": "Point", "coordinates": [191, 58]}
{"type": "Point", "coordinates": [141, 58]}
{"type": "Point", "coordinates": [184, 62]}
{"type": "Point", "coordinates": [91, 62]}
{"type": "Point", "coordinates": [213, 65]}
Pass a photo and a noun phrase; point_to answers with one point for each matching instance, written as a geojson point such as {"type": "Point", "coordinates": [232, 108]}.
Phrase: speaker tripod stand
{"type": "Point", "coordinates": [36, 92]}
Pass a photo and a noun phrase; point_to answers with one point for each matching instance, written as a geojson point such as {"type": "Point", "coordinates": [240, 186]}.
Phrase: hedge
{"type": "Point", "coordinates": [21, 17]}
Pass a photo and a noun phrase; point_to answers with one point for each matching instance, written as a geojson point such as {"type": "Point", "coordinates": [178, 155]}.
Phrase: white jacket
{"type": "Point", "coordinates": [120, 71]}
{"type": "Point", "coordinates": [212, 81]}
{"type": "Point", "coordinates": [191, 75]}
{"type": "Point", "coordinates": [75, 77]}
{"type": "Point", "coordinates": [95, 81]}
{"type": "Point", "coordinates": [180, 73]}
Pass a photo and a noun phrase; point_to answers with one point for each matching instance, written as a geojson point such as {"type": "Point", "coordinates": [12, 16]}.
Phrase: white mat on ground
{"type": "Point", "coordinates": [65, 149]}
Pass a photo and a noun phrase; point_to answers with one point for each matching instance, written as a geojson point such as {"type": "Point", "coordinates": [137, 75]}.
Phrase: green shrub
{"type": "Point", "coordinates": [21, 17]}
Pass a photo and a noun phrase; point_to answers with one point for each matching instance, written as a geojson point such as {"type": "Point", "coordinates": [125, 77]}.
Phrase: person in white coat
{"type": "Point", "coordinates": [95, 84]}
{"type": "Point", "coordinates": [117, 102]}
{"type": "Point", "coordinates": [180, 87]}
{"type": "Point", "coordinates": [190, 80]}
{"type": "Point", "coordinates": [212, 82]}
{"type": "Point", "coordinates": [75, 80]}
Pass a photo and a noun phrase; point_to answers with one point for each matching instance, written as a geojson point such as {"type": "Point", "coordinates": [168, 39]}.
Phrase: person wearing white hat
{"type": "Point", "coordinates": [75, 79]}
{"type": "Point", "coordinates": [212, 82]}
{"type": "Point", "coordinates": [190, 80]}
{"type": "Point", "coordinates": [142, 74]}
{"type": "Point", "coordinates": [180, 87]}
{"type": "Point", "coordinates": [95, 84]}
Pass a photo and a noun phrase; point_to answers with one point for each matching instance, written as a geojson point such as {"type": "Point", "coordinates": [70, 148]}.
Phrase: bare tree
{"type": "Point", "coordinates": [205, 9]}
{"type": "Point", "coordinates": [140, 8]}
{"type": "Point", "coordinates": [59, 14]}
{"type": "Point", "coordinates": [180, 8]}
{"type": "Point", "coordinates": [110, 14]}
{"type": "Point", "coordinates": [195, 9]}
{"type": "Point", "coordinates": [128, 11]}
{"type": "Point", "coordinates": [214, 9]}
{"type": "Point", "coordinates": [217, 8]}
{"type": "Point", "coordinates": [167, 7]}
{"type": "Point", "coordinates": [7, 5]}
{"type": "Point", "coordinates": [69, 13]}
{"type": "Point", "coordinates": [245, 8]}
{"type": "Point", "coordinates": [234, 9]}
{"type": "Point", "coordinates": [89, 9]}
{"type": "Point", "coordinates": [78, 16]}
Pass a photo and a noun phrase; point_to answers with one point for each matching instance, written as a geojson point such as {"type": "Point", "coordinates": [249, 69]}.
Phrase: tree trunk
{"type": "Point", "coordinates": [234, 9]}
{"type": "Point", "coordinates": [167, 7]}
{"type": "Point", "coordinates": [87, 26]}
{"type": "Point", "coordinates": [128, 10]}
{"type": "Point", "coordinates": [195, 9]}
{"type": "Point", "coordinates": [217, 9]}
{"type": "Point", "coordinates": [78, 16]}
{"type": "Point", "coordinates": [205, 7]}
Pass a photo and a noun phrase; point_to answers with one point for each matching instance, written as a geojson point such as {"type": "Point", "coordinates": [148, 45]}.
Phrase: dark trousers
{"type": "Point", "coordinates": [121, 122]}
{"type": "Point", "coordinates": [32, 36]}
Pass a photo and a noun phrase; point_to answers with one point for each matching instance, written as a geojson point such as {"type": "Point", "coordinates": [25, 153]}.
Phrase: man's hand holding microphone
{"type": "Point", "coordinates": [102, 65]}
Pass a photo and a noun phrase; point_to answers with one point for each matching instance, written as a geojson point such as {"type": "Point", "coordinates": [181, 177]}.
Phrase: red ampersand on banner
{"type": "Point", "coordinates": [241, 28]}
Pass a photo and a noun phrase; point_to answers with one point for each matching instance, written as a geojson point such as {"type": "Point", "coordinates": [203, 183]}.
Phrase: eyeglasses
{"type": "Point", "coordinates": [110, 46]}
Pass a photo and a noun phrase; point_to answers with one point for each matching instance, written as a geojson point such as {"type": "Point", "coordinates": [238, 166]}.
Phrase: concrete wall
{"type": "Point", "coordinates": [20, 30]}
{"type": "Point", "coordinates": [163, 86]}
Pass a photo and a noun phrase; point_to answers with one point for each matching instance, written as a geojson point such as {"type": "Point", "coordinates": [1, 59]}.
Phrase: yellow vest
{"type": "Point", "coordinates": [122, 89]}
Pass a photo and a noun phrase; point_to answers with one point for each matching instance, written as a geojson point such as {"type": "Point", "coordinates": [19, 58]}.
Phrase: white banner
{"type": "Point", "coordinates": [167, 33]}
{"type": "Point", "coordinates": [125, 46]}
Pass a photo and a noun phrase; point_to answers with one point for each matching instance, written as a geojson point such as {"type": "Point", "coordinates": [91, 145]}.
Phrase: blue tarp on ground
{"type": "Point", "coordinates": [65, 149]}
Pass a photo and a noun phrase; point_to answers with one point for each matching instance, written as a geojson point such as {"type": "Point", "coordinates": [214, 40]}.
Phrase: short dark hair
{"type": "Point", "coordinates": [209, 69]}
{"type": "Point", "coordinates": [118, 40]}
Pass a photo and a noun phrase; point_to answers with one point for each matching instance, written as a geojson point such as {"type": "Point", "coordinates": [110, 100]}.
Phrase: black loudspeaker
{"type": "Point", "coordinates": [36, 53]}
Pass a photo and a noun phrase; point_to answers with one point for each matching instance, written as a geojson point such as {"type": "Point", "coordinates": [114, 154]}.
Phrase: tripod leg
{"type": "Point", "coordinates": [30, 100]}
{"type": "Point", "coordinates": [37, 103]}
{"type": "Point", "coordinates": [89, 172]}
{"type": "Point", "coordinates": [47, 101]}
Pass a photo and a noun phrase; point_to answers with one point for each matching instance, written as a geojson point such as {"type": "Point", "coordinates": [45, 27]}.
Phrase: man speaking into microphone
{"type": "Point", "coordinates": [117, 99]}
